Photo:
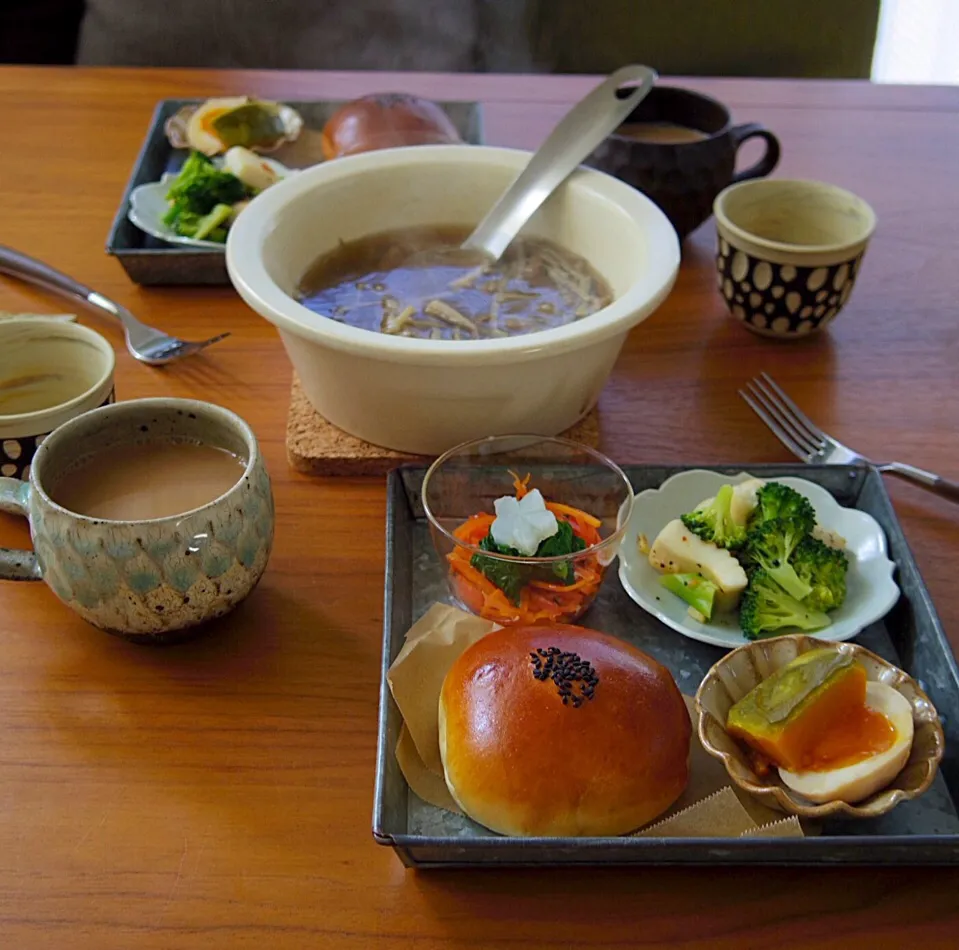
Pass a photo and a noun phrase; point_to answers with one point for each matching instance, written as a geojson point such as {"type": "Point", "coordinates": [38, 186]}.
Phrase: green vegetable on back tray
{"type": "Point", "coordinates": [198, 189]}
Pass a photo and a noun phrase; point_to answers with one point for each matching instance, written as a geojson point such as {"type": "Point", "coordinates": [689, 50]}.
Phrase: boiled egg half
{"type": "Point", "coordinates": [200, 132]}
{"type": "Point", "coordinates": [863, 755]}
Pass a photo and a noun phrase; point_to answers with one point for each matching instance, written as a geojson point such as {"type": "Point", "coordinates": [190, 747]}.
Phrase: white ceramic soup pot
{"type": "Point", "coordinates": [424, 396]}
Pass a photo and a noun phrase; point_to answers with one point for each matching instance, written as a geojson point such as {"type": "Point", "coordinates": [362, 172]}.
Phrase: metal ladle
{"type": "Point", "coordinates": [583, 128]}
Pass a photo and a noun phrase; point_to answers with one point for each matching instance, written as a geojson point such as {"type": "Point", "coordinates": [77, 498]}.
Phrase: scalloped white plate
{"type": "Point", "coordinates": [871, 590]}
{"type": "Point", "coordinates": [148, 205]}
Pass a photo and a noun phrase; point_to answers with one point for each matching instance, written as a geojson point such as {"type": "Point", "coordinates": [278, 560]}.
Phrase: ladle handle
{"type": "Point", "coordinates": [583, 128]}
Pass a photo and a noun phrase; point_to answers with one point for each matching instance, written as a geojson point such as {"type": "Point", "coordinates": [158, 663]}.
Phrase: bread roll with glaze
{"type": "Point", "coordinates": [386, 120]}
{"type": "Point", "coordinates": [521, 761]}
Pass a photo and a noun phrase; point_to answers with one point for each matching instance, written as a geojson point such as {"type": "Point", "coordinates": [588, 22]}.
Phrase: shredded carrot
{"type": "Point", "coordinates": [539, 601]}
{"type": "Point", "coordinates": [521, 485]}
{"type": "Point", "coordinates": [475, 528]}
{"type": "Point", "coordinates": [477, 579]}
{"type": "Point", "coordinates": [570, 512]}
{"type": "Point", "coordinates": [472, 597]}
{"type": "Point", "coordinates": [580, 583]}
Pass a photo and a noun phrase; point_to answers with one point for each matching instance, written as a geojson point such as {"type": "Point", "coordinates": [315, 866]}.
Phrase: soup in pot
{"type": "Point", "coordinates": [417, 282]}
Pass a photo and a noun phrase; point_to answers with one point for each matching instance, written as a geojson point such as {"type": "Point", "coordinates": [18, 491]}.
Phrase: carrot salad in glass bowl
{"type": "Point", "coordinates": [526, 525]}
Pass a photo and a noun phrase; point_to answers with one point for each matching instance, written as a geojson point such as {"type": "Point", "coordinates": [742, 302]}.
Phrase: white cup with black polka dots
{"type": "Point", "coordinates": [50, 372]}
{"type": "Point", "coordinates": [789, 252]}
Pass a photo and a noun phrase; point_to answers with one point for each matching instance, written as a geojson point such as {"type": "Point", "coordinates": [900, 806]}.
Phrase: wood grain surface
{"type": "Point", "coordinates": [218, 794]}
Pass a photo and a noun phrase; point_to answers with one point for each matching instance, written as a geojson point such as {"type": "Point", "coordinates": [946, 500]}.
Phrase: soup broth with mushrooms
{"type": "Point", "coordinates": [417, 282]}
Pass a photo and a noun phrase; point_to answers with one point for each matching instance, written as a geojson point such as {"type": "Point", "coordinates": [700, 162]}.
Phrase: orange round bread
{"type": "Point", "coordinates": [386, 120]}
{"type": "Point", "coordinates": [521, 761]}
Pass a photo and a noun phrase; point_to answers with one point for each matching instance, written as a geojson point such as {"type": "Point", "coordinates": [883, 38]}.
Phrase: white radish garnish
{"type": "Point", "coordinates": [524, 524]}
{"type": "Point", "coordinates": [253, 170]}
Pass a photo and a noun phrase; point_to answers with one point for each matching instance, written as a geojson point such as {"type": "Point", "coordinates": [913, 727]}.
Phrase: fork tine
{"type": "Point", "coordinates": [783, 416]}
{"type": "Point", "coordinates": [799, 416]}
{"type": "Point", "coordinates": [214, 339]}
{"type": "Point", "coordinates": [772, 409]}
{"type": "Point", "coordinates": [774, 427]}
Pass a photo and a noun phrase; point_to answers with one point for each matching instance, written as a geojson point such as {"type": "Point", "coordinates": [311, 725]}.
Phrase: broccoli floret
{"type": "Point", "coordinates": [824, 569]}
{"type": "Point", "coordinates": [778, 502]}
{"type": "Point", "coordinates": [182, 220]}
{"type": "Point", "coordinates": [201, 186]}
{"type": "Point", "coordinates": [213, 221]}
{"type": "Point", "coordinates": [714, 522]}
{"type": "Point", "coordinates": [769, 546]}
{"type": "Point", "coordinates": [766, 608]}
{"type": "Point", "coordinates": [698, 592]}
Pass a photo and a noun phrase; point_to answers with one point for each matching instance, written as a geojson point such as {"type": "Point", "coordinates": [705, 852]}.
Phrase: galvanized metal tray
{"type": "Point", "coordinates": [150, 261]}
{"type": "Point", "coordinates": [923, 831]}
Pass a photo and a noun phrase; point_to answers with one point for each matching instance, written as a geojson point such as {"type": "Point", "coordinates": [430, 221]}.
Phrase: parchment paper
{"type": "Point", "coordinates": [709, 807]}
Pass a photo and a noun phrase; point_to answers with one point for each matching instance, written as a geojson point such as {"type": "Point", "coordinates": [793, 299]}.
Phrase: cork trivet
{"type": "Point", "coordinates": [317, 447]}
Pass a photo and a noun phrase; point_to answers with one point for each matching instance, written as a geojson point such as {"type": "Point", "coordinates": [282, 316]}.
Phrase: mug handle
{"type": "Point", "coordinates": [753, 130]}
{"type": "Point", "coordinates": [17, 564]}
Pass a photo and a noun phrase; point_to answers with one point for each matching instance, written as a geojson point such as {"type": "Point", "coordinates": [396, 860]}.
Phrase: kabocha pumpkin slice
{"type": "Point", "coordinates": [786, 715]}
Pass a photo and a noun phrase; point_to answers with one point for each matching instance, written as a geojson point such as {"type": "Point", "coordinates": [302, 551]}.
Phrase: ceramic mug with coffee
{"type": "Point", "coordinates": [51, 371]}
{"type": "Point", "coordinates": [679, 147]}
{"type": "Point", "coordinates": [147, 517]}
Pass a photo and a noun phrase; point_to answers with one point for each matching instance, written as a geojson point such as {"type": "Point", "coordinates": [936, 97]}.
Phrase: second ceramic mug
{"type": "Point", "coordinates": [148, 580]}
{"type": "Point", "coordinates": [683, 178]}
{"type": "Point", "coordinates": [50, 372]}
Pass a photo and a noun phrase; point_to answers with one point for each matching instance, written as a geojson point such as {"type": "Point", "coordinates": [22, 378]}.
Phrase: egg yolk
{"type": "Point", "coordinates": [861, 734]}
{"type": "Point", "coordinates": [790, 739]}
{"type": "Point", "coordinates": [207, 120]}
{"type": "Point", "coordinates": [803, 722]}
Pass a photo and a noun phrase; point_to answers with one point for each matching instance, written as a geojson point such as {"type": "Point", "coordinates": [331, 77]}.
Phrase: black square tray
{"type": "Point", "coordinates": [150, 261]}
{"type": "Point", "coordinates": [922, 831]}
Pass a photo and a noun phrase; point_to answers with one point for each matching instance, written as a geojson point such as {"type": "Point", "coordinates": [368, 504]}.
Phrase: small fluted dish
{"type": "Point", "coordinates": [744, 668]}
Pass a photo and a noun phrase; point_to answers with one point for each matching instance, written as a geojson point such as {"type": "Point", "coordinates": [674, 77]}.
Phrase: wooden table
{"type": "Point", "coordinates": [218, 794]}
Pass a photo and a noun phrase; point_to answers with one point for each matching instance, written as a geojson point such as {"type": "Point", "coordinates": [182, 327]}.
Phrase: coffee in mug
{"type": "Point", "coordinates": [679, 148]}
{"type": "Point", "coordinates": [663, 133]}
{"type": "Point", "coordinates": [157, 480]}
{"type": "Point", "coordinates": [148, 517]}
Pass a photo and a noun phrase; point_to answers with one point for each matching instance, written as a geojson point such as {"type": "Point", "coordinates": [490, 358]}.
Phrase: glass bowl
{"type": "Point", "coordinates": [580, 485]}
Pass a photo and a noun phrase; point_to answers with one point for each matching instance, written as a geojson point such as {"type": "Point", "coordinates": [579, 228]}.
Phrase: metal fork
{"type": "Point", "coordinates": [147, 344]}
{"type": "Point", "coordinates": [807, 441]}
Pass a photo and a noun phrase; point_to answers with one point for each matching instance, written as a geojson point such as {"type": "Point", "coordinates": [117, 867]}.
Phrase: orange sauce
{"type": "Point", "coordinates": [794, 722]}
{"type": "Point", "coordinates": [859, 735]}
{"type": "Point", "coordinates": [790, 744]}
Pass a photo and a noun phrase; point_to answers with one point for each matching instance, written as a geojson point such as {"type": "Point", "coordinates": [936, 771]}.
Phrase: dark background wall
{"type": "Point", "coordinates": [830, 38]}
